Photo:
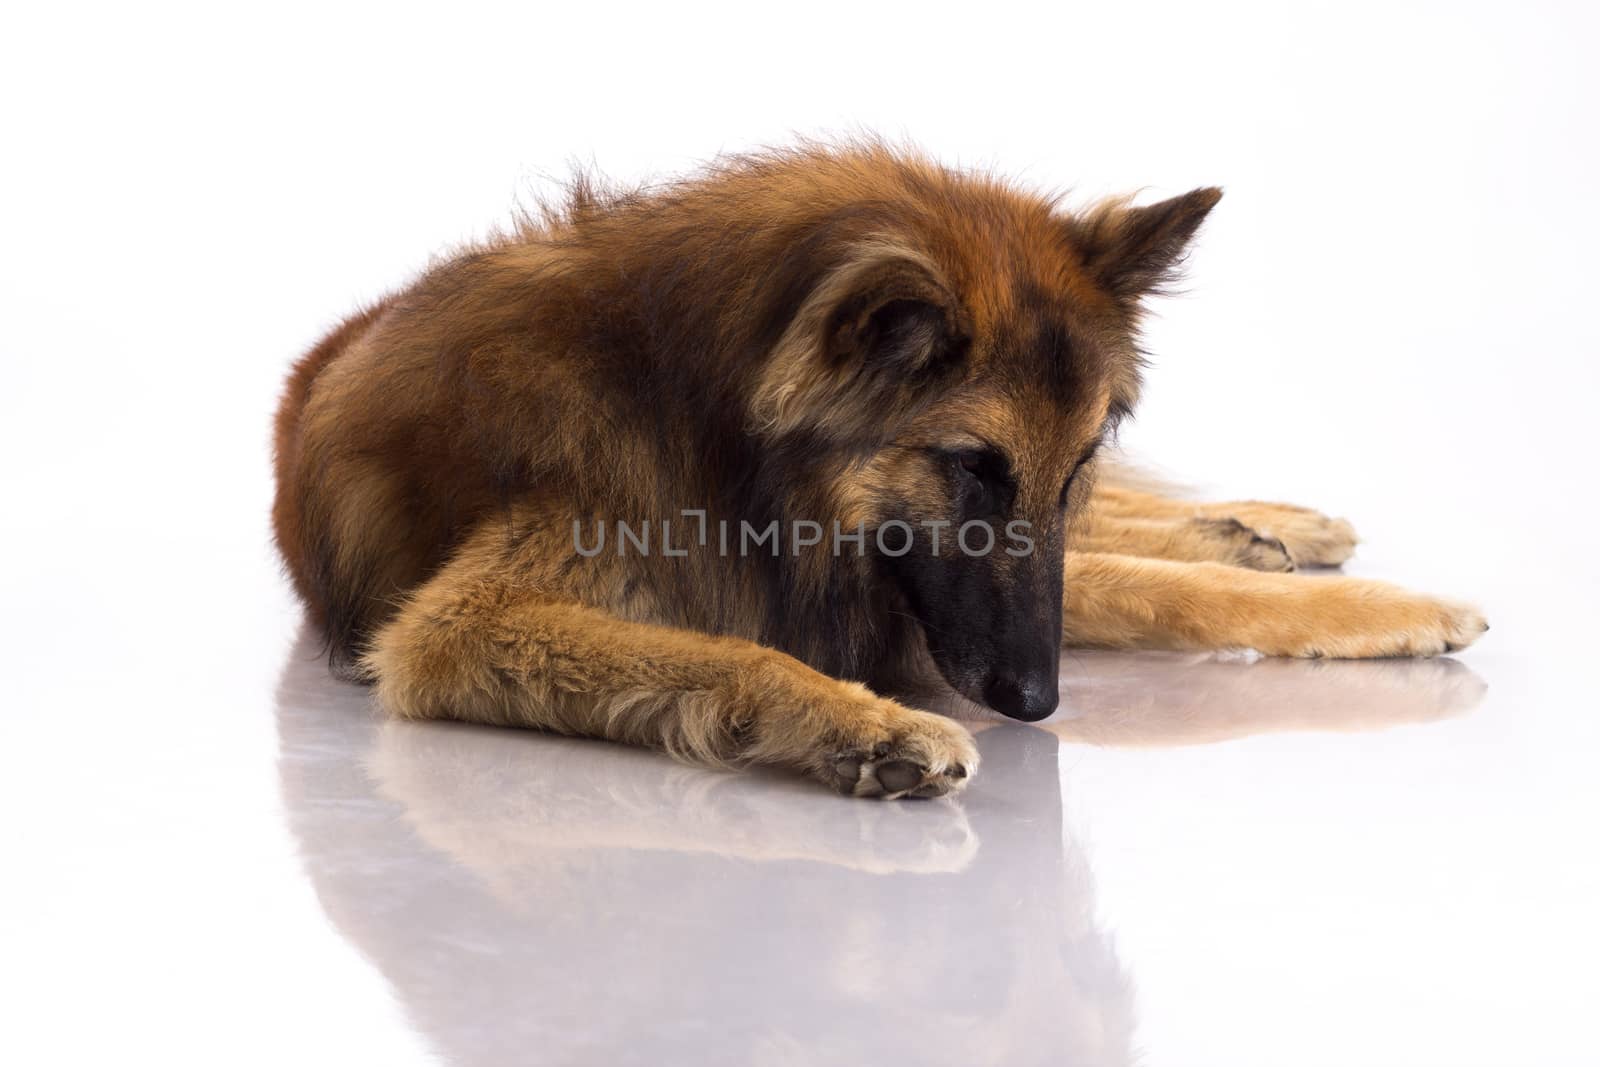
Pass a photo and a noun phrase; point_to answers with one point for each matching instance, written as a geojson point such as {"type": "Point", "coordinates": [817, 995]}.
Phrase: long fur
{"type": "Point", "coordinates": [799, 334]}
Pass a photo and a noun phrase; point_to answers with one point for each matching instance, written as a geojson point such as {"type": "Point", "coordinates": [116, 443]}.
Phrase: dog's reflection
{"type": "Point", "coordinates": [1170, 698]}
{"type": "Point", "coordinates": [539, 899]}
{"type": "Point", "coordinates": [1151, 699]}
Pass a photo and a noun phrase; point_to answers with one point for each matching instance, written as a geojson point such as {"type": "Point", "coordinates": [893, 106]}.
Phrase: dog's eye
{"type": "Point", "coordinates": [1066, 490]}
{"type": "Point", "coordinates": [976, 465]}
{"type": "Point", "coordinates": [982, 480]}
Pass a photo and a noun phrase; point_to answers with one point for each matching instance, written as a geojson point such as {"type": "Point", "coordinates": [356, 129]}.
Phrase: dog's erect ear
{"type": "Point", "coordinates": [1132, 251]}
{"type": "Point", "coordinates": [870, 343]}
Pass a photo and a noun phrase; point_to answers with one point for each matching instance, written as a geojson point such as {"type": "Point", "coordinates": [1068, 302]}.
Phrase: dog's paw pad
{"type": "Point", "coordinates": [930, 757]}
{"type": "Point", "coordinates": [899, 776]}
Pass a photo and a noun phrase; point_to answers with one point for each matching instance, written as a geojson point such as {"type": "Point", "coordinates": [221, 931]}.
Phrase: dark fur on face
{"type": "Point", "coordinates": [854, 335]}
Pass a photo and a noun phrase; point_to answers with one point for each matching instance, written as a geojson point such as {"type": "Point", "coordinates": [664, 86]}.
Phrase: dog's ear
{"type": "Point", "coordinates": [872, 340]}
{"type": "Point", "coordinates": [1134, 251]}
{"type": "Point", "coordinates": [894, 316]}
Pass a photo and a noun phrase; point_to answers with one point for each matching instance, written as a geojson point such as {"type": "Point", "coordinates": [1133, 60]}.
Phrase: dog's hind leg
{"type": "Point", "coordinates": [478, 642]}
{"type": "Point", "coordinates": [1126, 602]}
{"type": "Point", "coordinates": [1310, 538]}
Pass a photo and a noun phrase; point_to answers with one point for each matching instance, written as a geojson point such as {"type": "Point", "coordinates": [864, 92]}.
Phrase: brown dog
{"type": "Point", "coordinates": [710, 467]}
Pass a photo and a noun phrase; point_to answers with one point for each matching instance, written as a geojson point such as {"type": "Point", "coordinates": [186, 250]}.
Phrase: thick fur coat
{"type": "Point", "coordinates": [821, 342]}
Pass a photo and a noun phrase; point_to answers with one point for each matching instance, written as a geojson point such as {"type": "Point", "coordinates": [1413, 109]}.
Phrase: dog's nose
{"type": "Point", "coordinates": [1028, 697]}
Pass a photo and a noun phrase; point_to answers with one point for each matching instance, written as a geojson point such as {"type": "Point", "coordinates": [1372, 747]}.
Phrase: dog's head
{"type": "Point", "coordinates": [959, 356]}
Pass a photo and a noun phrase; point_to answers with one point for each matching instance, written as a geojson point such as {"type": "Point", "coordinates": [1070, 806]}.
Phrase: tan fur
{"type": "Point", "coordinates": [1126, 589]}
{"type": "Point", "coordinates": [475, 643]}
{"type": "Point", "coordinates": [1127, 602]}
{"type": "Point", "coordinates": [1310, 538]}
{"type": "Point", "coordinates": [1192, 540]}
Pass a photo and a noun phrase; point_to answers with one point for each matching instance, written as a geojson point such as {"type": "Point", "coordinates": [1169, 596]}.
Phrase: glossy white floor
{"type": "Point", "coordinates": [215, 853]}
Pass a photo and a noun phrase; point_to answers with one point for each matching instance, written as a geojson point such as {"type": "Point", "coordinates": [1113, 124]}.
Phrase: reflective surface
{"type": "Point", "coordinates": [605, 905]}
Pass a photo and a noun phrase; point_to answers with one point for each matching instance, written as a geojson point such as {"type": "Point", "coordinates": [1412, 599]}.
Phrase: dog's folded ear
{"type": "Point", "coordinates": [877, 333]}
{"type": "Point", "coordinates": [894, 316]}
{"type": "Point", "coordinates": [1134, 251]}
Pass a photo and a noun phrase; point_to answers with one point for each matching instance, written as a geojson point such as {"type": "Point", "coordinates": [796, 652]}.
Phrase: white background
{"type": "Point", "coordinates": [1389, 316]}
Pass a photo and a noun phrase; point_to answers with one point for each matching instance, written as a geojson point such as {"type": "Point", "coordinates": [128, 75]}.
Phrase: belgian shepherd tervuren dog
{"type": "Point", "coordinates": [718, 466]}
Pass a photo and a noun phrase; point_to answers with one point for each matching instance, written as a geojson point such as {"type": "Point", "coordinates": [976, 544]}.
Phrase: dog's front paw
{"type": "Point", "coordinates": [1422, 626]}
{"type": "Point", "coordinates": [1315, 540]}
{"type": "Point", "coordinates": [904, 754]}
{"type": "Point", "coordinates": [1346, 619]}
{"type": "Point", "coordinates": [1241, 546]}
{"type": "Point", "coordinates": [1311, 538]}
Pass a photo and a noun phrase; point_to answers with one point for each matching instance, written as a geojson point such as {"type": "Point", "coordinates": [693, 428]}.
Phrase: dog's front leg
{"type": "Point", "coordinates": [1249, 533]}
{"type": "Point", "coordinates": [1124, 602]}
{"type": "Point", "coordinates": [1194, 539]}
{"type": "Point", "coordinates": [478, 645]}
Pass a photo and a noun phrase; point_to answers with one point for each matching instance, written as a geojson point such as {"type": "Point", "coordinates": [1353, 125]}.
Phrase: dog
{"type": "Point", "coordinates": [728, 465]}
